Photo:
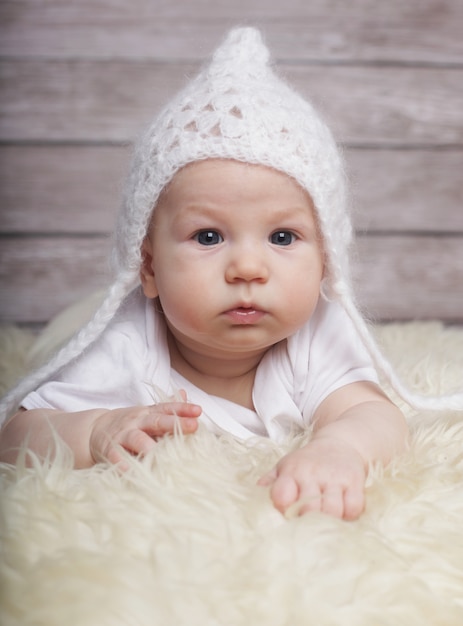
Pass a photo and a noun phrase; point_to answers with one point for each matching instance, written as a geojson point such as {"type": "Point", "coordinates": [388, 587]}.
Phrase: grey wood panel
{"type": "Point", "coordinates": [111, 100]}
{"type": "Point", "coordinates": [407, 190]}
{"type": "Point", "coordinates": [411, 277]}
{"type": "Point", "coordinates": [398, 277]}
{"type": "Point", "coordinates": [41, 276]}
{"type": "Point", "coordinates": [414, 30]}
{"type": "Point", "coordinates": [61, 189]}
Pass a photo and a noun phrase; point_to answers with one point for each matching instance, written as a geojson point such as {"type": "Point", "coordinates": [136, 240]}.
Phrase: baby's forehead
{"type": "Point", "coordinates": [231, 176]}
{"type": "Point", "coordinates": [221, 188]}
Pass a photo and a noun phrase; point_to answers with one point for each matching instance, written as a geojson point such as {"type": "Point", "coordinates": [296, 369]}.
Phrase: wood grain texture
{"type": "Point", "coordinates": [77, 189]}
{"type": "Point", "coordinates": [406, 191]}
{"type": "Point", "coordinates": [79, 80]}
{"type": "Point", "coordinates": [61, 189]}
{"type": "Point", "coordinates": [40, 276]}
{"type": "Point", "coordinates": [112, 100]}
{"type": "Point", "coordinates": [365, 30]}
{"type": "Point", "coordinates": [399, 277]}
{"type": "Point", "coordinates": [411, 277]}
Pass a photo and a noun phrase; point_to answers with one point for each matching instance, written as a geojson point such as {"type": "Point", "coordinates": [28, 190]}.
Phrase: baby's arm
{"type": "Point", "coordinates": [96, 434]}
{"type": "Point", "coordinates": [354, 426]}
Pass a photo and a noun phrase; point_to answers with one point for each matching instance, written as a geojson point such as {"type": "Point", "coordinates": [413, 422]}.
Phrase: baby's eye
{"type": "Point", "coordinates": [208, 237]}
{"type": "Point", "coordinates": [283, 237]}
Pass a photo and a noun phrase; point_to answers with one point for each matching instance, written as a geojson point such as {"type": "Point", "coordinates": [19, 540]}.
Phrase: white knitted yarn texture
{"type": "Point", "coordinates": [236, 108]}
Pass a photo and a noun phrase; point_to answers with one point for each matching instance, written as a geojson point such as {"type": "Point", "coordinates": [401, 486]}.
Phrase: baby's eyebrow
{"type": "Point", "coordinates": [289, 215]}
{"type": "Point", "coordinates": [195, 216]}
{"type": "Point", "coordinates": [292, 212]}
{"type": "Point", "coordinates": [198, 210]}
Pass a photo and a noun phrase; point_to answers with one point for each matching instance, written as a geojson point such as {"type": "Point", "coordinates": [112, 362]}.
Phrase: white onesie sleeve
{"type": "Point", "coordinates": [325, 355]}
{"type": "Point", "coordinates": [296, 375]}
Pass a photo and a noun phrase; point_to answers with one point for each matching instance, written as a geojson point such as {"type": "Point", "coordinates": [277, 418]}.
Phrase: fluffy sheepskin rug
{"type": "Point", "coordinates": [185, 537]}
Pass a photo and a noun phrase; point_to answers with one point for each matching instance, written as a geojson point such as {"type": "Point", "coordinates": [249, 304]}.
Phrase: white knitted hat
{"type": "Point", "coordinates": [236, 108]}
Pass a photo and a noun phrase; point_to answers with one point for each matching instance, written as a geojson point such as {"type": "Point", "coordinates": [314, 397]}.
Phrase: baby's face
{"type": "Point", "coordinates": [234, 255]}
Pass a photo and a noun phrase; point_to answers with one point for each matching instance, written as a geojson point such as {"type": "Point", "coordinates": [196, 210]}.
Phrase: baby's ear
{"type": "Point", "coordinates": [148, 281]}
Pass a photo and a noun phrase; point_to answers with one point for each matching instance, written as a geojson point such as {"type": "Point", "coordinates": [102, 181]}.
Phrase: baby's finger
{"type": "Point", "coordinates": [332, 501]}
{"type": "Point", "coordinates": [284, 492]}
{"type": "Point", "coordinates": [116, 458]}
{"type": "Point", "coordinates": [354, 503]}
{"type": "Point", "coordinates": [137, 441]}
{"type": "Point", "coordinates": [307, 504]}
{"type": "Point", "coordinates": [310, 500]}
{"type": "Point", "coordinates": [162, 424]}
{"type": "Point", "coordinates": [181, 409]}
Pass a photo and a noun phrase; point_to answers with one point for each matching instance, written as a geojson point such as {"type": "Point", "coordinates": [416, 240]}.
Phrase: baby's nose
{"type": "Point", "coordinates": [247, 263]}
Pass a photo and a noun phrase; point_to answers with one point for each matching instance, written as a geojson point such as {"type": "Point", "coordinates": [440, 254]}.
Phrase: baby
{"type": "Point", "coordinates": [232, 295]}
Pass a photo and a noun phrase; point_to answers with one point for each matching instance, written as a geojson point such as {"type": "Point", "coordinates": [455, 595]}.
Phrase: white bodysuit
{"type": "Point", "coordinates": [129, 365]}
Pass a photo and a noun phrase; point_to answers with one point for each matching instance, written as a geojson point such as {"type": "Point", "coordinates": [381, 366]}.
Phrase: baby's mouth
{"type": "Point", "coordinates": [245, 314]}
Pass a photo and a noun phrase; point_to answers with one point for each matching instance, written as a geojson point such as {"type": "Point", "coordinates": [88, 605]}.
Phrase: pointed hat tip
{"type": "Point", "coordinates": [243, 44]}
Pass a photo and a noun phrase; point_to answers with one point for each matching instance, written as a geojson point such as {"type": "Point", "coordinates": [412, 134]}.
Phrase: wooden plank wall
{"type": "Point", "coordinates": [80, 78]}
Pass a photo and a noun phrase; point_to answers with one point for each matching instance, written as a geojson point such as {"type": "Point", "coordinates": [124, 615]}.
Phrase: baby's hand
{"type": "Point", "coordinates": [326, 475]}
{"type": "Point", "coordinates": [136, 428]}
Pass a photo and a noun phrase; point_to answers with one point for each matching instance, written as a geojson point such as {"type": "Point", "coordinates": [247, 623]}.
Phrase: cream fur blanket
{"type": "Point", "coordinates": [187, 538]}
